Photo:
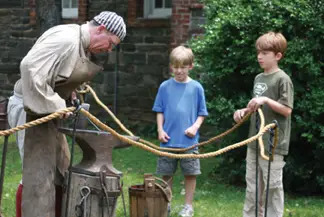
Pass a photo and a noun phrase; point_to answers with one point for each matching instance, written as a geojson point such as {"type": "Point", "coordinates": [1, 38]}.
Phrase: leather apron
{"type": "Point", "coordinates": [46, 153]}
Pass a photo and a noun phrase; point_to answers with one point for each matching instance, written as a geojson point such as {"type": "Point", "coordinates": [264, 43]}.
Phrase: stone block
{"type": "Point", "coordinates": [134, 58]}
{"type": "Point", "coordinates": [99, 78]}
{"type": "Point", "coordinates": [9, 68]}
{"type": "Point", "coordinates": [157, 59]}
{"type": "Point", "coordinates": [129, 68]}
{"type": "Point", "coordinates": [126, 91]}
{"type": "Point", "coordinates": [13, 77]}
{"type": "Point", "coordinates": [20, 27]}
{"type": "Point", "coordinates": [4, 12]}
{"type": "Point", "coordinates": [162, 48]}
{"type": "Point", "coordinates": [3, 80]}
{"type": "Point", "coordinates": [127, 47]}
{"type": "Point", "coordinates": [150, 81]}
{"type": "Point", "coordinates": [129, 79]}
{"type": "Point", "coordinates": [148, 31]}
{"type": "Point", "coordinates": [157, 39]}
{"type": "Point", "coordinates": [149, 69]}
{"type": "Point", "coordinates": [134, 39]}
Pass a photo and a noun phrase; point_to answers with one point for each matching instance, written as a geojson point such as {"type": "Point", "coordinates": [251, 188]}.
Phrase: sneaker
{"type": "Point", "coordinates": [187, 211]}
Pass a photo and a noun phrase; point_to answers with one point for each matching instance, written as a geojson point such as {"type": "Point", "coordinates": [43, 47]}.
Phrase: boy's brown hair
{"type": "Point", "coordinates": [272, 41]}
{"type": "Point", "coordinates": [181, 56]}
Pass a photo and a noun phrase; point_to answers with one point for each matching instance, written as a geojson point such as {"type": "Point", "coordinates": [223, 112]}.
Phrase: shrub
{"type": "Point", "coordinates": [226, 62]}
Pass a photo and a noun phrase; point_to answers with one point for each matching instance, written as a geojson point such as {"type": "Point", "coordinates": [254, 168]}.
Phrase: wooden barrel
{"type": "Point", "coordinates": [148, 200]}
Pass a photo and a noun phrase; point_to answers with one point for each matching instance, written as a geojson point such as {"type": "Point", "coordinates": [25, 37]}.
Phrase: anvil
{"type": "Point", "coordinates": [97, 147]}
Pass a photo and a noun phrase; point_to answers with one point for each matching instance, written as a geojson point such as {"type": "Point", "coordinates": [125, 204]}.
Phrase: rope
{"type": "Point", "coordinates": [171, 155]}
{"type": "Point", "coordinates": [37, 121]}
{"type": "Point", "coordinates": [87, 88]}
{"type": "Point", "coordinates": [144, 145]}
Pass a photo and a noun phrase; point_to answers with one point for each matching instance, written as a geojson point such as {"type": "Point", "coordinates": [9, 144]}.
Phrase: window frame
{"type": "Point", "coordinates": [151, 12]}
{"type": "Point", "coordinates": [68, 13]}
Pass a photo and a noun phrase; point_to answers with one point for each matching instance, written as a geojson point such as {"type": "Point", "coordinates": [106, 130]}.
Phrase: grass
{"type": "Point", "coordinates": [212, 198]}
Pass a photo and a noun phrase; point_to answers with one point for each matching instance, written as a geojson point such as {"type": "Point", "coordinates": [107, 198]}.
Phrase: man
{"type": "Point", "coordinates": [52, 69]}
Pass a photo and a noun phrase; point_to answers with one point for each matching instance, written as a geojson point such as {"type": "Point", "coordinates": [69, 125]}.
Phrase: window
{"type": "Point", "coordinates": [70, 8]}
{"type": "Point", "coordinates": [157, 8]}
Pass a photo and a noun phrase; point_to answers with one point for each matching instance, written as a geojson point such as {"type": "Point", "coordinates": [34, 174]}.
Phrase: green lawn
{"type": "Point", "coordinates": [212, 198]}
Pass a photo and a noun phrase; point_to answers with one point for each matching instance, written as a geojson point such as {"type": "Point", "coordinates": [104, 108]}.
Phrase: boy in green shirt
{"type": "Point", "coordinates": [273, 90]}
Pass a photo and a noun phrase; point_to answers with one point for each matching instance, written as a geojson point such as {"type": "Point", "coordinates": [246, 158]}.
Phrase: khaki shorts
{"type": "Point", "coordinates": [189, 166]}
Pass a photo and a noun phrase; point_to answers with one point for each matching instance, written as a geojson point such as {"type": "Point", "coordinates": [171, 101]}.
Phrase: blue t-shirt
{"type": "Point", "coordinates": [181, 104]}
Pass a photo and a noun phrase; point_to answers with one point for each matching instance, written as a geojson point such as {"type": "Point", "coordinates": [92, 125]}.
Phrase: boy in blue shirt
{"type": "Point", "coordinates": [181, 109]}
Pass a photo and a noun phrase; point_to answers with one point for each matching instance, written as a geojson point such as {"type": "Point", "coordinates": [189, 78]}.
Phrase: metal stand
{"type": "Point", "coordinates": [257, 167]}
{"type": "Point", "coordinates": [71, 161]}
{"type": "Point", "coordinates": [3, 165]}
{"type": "Point", "coordinates": [271, 146]}
{"type": "Point", "coordinates": [3, 126]}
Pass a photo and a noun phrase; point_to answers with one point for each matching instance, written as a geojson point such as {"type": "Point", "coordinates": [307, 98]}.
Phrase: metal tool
{"type": "Point", "coordinates": [81, 207]}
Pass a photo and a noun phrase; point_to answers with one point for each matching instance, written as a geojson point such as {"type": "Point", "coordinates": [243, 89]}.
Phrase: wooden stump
{"type": "Point", "coordinates": [96, 202]}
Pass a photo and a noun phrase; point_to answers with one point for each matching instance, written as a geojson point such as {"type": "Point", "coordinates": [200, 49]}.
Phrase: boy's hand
{"type": "Point", "coordinates": [191, 131]}
{"type": "Point", "coordinates": [163, 136]}
{"type": "Point", "coordinates": [239, 114]}
{"type": "Point", "coordinates": [256, 102]}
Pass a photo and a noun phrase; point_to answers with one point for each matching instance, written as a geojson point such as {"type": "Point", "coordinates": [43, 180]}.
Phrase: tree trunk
{"type": "Point", "coordinates": [48, 14]}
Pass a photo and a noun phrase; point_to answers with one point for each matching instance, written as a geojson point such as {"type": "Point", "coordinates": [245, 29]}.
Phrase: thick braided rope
{"type": "Point", "coordinates": [37, 121]}
{"type": "Point", "coordinates": [275, 143]}
{"type": "Point", "coordinates": [89, 89]}
{"type": "Point", "coordinates": [260, 140]}
{"type": "Point", "coordinates": [204, 142]}
{"type": "Point", "coordinates": [171, 155]}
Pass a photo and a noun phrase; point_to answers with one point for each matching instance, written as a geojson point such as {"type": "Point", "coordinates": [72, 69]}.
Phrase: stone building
{"type": "Point", "coordinates": [133, 72]}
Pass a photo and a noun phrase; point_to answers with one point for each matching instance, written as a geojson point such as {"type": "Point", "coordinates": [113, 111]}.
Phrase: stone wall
{"type": "Point", "coordinates": [131, 75]}
{"type": "Point", "coordinates": [142, 65]}
{"type": "Point", "coordinates": [186, 20]}
{"type": "Point", "coordinates": [16, 38]}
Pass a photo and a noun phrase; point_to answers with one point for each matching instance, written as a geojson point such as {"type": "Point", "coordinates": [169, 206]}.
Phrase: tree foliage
{"type": "Point", "coordinates": [227, 64]}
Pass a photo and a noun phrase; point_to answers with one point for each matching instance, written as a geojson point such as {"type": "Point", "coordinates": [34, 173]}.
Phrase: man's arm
{"type": "Point", "coordinates": [162, 135]}
{"type": "Point", "coordinates": [192, 131]}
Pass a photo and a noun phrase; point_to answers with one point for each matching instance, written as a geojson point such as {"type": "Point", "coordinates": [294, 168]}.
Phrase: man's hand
{"type": "Point", "coordinates": [256, 102]}
{"type": "Point", "coordinates": [163, 136]}
{"type": "Point", "coordinates": [66, 115]}
{"type": "Point", "coordinates": [191, 131]}
{"type": "Point", "coordinates": [239, 114]}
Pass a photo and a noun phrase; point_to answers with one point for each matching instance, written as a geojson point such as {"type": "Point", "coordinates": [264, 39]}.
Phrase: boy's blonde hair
{"type": "Point", "coordinates": [272, 41]}
{"type": "Point", "coordinates": [181, 56]}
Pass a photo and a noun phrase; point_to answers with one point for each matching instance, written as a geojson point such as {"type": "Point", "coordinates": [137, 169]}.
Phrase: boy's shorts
{"type": "Point", "coordinates": [189, 166]}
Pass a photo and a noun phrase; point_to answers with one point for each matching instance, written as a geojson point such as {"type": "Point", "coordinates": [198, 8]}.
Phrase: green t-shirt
{"type": "Point", "coordinates": [276, 86]}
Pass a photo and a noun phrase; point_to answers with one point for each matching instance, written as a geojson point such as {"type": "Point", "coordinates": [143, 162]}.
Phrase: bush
{"type": "Point", "coordinates": [227, 57]}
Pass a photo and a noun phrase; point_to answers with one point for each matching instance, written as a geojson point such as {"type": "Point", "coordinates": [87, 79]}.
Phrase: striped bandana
{"type": "Point", "coordinates": [113, 23]}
